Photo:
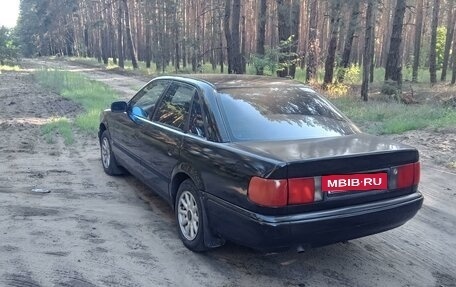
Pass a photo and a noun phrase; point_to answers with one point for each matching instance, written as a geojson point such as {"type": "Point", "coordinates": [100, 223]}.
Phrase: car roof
{"type": "Point", "coordinates": [224, 81]}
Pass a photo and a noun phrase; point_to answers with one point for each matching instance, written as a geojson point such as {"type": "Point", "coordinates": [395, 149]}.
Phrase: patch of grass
{"type": "Point", "coordinates": [92, 95]}
{"type": "Point", "coordinates": [89, 122]}
{"type": "Point", "coordinates": [128, 66]}
{"type": "Point", "coordinates": [8, 67]}
{"type": "Point", "coordinates": [381, 117]}
{"type": "Point", "coordinates": [58, 126]}
{"type": "Point", "coordinates": [423, 75]}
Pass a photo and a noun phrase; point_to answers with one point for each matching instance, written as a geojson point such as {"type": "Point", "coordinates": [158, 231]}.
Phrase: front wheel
{"type": "Point", "coordinates": [189, 217]}
{"type": "Point", "coordinates": [108, 159]}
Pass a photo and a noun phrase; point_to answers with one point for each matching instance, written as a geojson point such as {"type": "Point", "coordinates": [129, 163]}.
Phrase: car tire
{"type": "Point", "coordinates": [108, 159]}
{"type": "Point", "coordinates": [189, 217]}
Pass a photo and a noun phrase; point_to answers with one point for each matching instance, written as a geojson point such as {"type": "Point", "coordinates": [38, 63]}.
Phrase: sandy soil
{"type": "Point", "coordinates": [435, 146]}
{"type": "Point", "coordinates": [96, 230]}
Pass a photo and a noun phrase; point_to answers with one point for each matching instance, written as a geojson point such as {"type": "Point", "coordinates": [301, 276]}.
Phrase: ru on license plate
{"type": "Point", "coordinates": [354, 182]}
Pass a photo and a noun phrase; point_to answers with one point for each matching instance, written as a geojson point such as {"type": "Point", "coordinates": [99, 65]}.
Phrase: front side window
{"type": "Point", "coordinates": [143, 104]}
{"type": "Point", "coordinates": [173, 110]}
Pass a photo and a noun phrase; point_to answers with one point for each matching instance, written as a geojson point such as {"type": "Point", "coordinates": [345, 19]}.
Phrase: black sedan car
{"type": "Point", "coordinates": [260, 161]}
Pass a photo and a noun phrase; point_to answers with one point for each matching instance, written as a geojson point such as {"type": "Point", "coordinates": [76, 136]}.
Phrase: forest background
{"type": "Point", "coordinates": [396, 51]}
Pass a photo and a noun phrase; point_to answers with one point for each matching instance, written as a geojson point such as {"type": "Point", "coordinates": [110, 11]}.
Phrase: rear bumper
{"type": "Point", "coordinates": [312, 228]}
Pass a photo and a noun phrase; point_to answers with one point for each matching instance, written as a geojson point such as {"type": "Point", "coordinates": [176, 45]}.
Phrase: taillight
{"type": "Point", "coordinates": [407, 175]}
{"type": "Point", "coordinates": [301, 190]}
{"type": "Point", "coordinates": [417, 175]}
{"type": "Point", "coordinates": [268, 192]}
{"type": "Point", "coordinates": [282, 192]}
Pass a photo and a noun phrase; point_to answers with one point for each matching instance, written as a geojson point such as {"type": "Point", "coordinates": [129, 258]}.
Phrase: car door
{"type": "Point", "coordinates": [162, 137]}
{"type": "Point", "coordinates": [125, 127]}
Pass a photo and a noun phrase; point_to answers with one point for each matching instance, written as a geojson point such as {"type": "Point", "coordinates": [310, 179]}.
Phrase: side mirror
{"type": "Point", "coordinates": [119, 107]}
{"type": "Point", "coordinates": [138, 112]}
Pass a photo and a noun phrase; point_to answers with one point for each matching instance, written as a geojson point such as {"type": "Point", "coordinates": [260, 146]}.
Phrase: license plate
{"type": "Point", "coordinates": [354, 182]}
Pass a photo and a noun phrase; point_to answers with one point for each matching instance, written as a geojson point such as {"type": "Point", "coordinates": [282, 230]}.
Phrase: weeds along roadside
{"type": "Point", "coordinates": [93, 96]}
{"type": "Point", "coordinates": [392, 117]}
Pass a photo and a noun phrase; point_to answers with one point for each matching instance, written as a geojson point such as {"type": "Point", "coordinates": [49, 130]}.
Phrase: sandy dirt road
{"type": "Point", "coordinates": [96, 230]}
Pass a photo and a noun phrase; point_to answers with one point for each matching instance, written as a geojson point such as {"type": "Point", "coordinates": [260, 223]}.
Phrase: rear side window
{"type": "Point", "coordinates": [173, 110]}
{"type": "Point", "coordinates": [200, 123]}
{"type": "Point", "coordinates": [197, 121]}
{"type": "Point", "coordinates": [280, 113]}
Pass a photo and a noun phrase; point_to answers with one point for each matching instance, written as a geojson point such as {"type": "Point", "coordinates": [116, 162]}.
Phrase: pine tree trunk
{"type": "Point", "coordinates": [352, 26]}
{"type": "Point", "coordinates": [131, 47]}
{"type": "Point", "coordinates": [176, 39]}
{"type": "Point", "coordinates": [261, 28]}
{"type": "Point", "coordinates": [387, 33]}
{"type": "Point", "coordinates": [184, 32]}
{"type": "Point", "coordinates": [213, 31]}
{"type": "Point", "coordinates": [372, 45]}
{"type": "Point", "coordinates": [393, 69]}
{"type": "Point", "coordinates": [243, 46]}
{"type": "Point", "coordinates": [104, 36]}
{"type": "Point", "coordinates": [433, 53]}
{"type": "Point", "coordinates": [148, 43]}
{"type": "Point", "coordinates": [221, 56]}
{"type": "Point", "coordinates": [332, 47]}
{"type": "Point", "coordinates": [367, 50]}
{"type": "Point", "coordinates": [313, 45]}
{"type": "Point", "coordinates": [449, 39]}
{"type": "Point", "coordinates": [229, 43]}
{"type": "Point", "coordinates": [197, 49]}
{"type": "Point", "coordinates": [236, 38]}
{"type": "Point", "coordinates": [417, 47]}
{"type": "Point", "coordinates": [120, 49]}
{"type": "Point", "coordinates": [453, 76]}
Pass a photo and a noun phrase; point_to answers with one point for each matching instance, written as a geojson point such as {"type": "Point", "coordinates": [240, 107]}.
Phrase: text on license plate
{"type": "Point", "coordinates": [354, 182]}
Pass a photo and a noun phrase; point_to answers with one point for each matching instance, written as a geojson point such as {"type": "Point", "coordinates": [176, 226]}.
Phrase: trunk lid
{"type": "Point", "coordinates": [358, 154]}
{"type": "Point", "coordinates": [344, 154]}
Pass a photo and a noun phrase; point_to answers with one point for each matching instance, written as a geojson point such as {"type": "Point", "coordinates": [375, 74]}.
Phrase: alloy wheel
{"type": "Point", "coordinates": [188, 215]}
{"type": "Point", "coordinates": [105, 152]}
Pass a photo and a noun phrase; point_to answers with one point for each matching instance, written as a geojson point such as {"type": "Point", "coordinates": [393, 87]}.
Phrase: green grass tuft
{"type": "Point", "coordinates": [8, 67]}
{"type": "Point", "coordinates": [392, 117]}
{"type": "Point", "coordinates": [58, 126]}
{"type": "Point", "coordinates": [93, 96]}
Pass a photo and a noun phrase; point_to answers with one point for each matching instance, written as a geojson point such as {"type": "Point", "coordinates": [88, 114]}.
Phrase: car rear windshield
{"type": "Point", "coordinates": [280, 113]}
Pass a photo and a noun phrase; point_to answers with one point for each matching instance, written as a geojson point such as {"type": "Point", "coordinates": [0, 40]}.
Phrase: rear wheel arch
{"type": "Point", "coordinates": [177, 180]}
{"type": "Point", "coordinates": [180, 174]}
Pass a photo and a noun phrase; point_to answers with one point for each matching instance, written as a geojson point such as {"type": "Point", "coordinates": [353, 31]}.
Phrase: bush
{"type": "Point", "coordinates": [337, 90]}
{"type": "Point", "coordinates": [268, 63]}
{"type": "Point", "coordinates": [391, 88]}
{"type": "Point", "coordinates": [8, 47]}
{"type": "Point", "coordinates": [351, 75]}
